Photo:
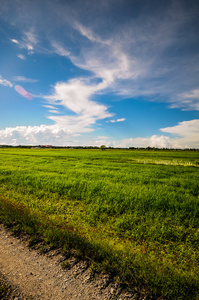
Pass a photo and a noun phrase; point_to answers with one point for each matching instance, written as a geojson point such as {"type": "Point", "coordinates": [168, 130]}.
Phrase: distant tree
{"type": "Point", "coordinates": [102, 147]}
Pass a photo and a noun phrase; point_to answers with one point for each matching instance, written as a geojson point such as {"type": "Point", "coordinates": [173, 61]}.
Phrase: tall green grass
{"type": "Point", "coordinates": [136, 212]}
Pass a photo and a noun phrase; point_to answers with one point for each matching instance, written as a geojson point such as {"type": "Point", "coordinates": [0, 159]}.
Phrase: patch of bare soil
{"type": "Point", "coordinates": [27, 274]}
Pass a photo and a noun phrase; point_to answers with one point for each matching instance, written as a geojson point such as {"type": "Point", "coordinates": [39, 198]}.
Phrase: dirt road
{"type": "Point", "coordinates": [32, 275]}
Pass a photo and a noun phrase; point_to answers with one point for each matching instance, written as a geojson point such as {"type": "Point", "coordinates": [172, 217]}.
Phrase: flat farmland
{"type": "Point", "coordinates": [132, 213]}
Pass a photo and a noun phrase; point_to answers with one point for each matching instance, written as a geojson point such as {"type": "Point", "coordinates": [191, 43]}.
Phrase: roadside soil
{"type": "Point", "coordinates": [26, 273]}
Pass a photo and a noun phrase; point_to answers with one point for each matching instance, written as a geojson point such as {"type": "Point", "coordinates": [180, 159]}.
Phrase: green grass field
{"type": "Point", "coordinates": [132, 213]}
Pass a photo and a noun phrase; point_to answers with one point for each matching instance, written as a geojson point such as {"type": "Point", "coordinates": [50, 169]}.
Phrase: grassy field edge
{"type": "Point", "coordinates": [20, 219]}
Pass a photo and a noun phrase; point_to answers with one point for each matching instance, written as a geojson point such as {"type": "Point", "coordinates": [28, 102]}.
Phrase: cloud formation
{"type": "Point", "coordinates": [21, 56]}
{"type": "Point", "coordinates": [137, 56]}
{"type": "Point", "coordinates": [153, 55]}
{"type": "Point", "coordinates": [188, 100]}
{"type": "Point", "coordinates": [184, 135]}
{"type": "Point", "coordinates": [115, 121]}
{"type": "Point", "coordinates": [34, 135]}
{"type": "Point", "coordinates": [24, 79]}
{"type": "Point", "coordinates": [14, 41]}
{"type": "Point", "coordinates": [143, 142]}
{"type": "Point", "coordinates": [5, 82]}
{"type": "Point", "coordinates": [28, 41]}
{"type": "Point", "coordinates": [75, 95]}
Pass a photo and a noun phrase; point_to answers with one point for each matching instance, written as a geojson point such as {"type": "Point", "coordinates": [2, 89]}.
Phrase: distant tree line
{"type": "Point", "coordinates": [102, 147]}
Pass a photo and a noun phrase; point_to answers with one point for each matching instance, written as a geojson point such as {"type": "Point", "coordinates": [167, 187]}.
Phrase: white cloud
{"type": "Point", "coordinates": [28, 42]}
{"type": "Point", "coordinates": [194, 94]}
{"type": "Point", "coordinates": [60, 50]}
{"type": "Point", "coordinates": [5, 82]}
{"type": "Point", "coordinates": [134, 57]}
{"type": "Point", "coordinates": [142, 54]}
{"type": "Point", "coordinates": [187, 101]}
{"type": "Point", "coordinates": [115, 121]}
{"type": "Point", "coordinates": [184, 135]}
{"type": "Point", "coordinates": [87, 32]}
{"type": "Point", "coordinates": [110, 63]}
{"type": "Point", "coordinates": [75, 124]}
{"type": "Point", "coordinates": [15, 41]}
{"type": "Point", "coordinates": [75, 95]}
{"type": "Point", "coordinates": [24, 79]}
{"type": "Point", "coordinates": [187, 135]}
{"type": "Point", "coordinates": [31, 37]}
{"type": "Point", "coordinates": [49, 106]}
{"type": "Point", "coordinates": [47, 135]}
{"type": "Point", "coordinates": [130, 57]}
{"type": "Point", "coordinates": [34, 135]}
{"type": "Point", "coordinates": [186, 130]}
{"type": "Point", "coordinates": [153, 141]}
{"type": "Point", "coordinates": [121, 120]}
{"type": "Point", "coordinates": [106, 59]}
{"type": "Point", "coordinates": [21, 56]}
{"type": "Point", "coordinates": [53, 111]}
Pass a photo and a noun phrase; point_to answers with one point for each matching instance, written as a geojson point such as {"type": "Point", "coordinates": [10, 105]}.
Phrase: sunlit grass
{"type": "Point", "coordinates": [135, 213]}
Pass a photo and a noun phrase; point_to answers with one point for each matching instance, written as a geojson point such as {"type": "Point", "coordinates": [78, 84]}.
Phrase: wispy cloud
{"type": "Point", "coordinates": [115, 121]}
{"type": "Point", "coordinates": [187, 101]}
{"type": "Point", "coordinates": [5, 82]}
{"type": "Point", "coordinates": [24, 79]}
{"type": "Point", "coordinates": [28, 41]}
{"type": "Point", "coordinates": [153, 54]}
{"type": "Point", "coordinates": [194, 94]}
{"type": "Point", "coordinates": [49, 106]}
{"type": "Point", "coordinates": [143, 56]}
{"type": "Point", "coordinates": [21, 56]}
{"type": "Point", "coordinates": [87, 32]}
{"type": "Point", "coordinates": [58, 49]}
{"type": "Point", "coordinates": [135, 60]}
{"type": "Point", "coordinates": [75, 95]}
{"type": "Point", "coordinates": [54, 111]}
{"type": "Point", "coordinates": [14, 41]}
{"type": "Point", "coordinates": [110, 63]}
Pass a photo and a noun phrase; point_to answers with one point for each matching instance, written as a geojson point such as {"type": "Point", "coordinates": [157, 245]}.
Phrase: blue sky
{"type": "Point", "coordinates": [124, 73]}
